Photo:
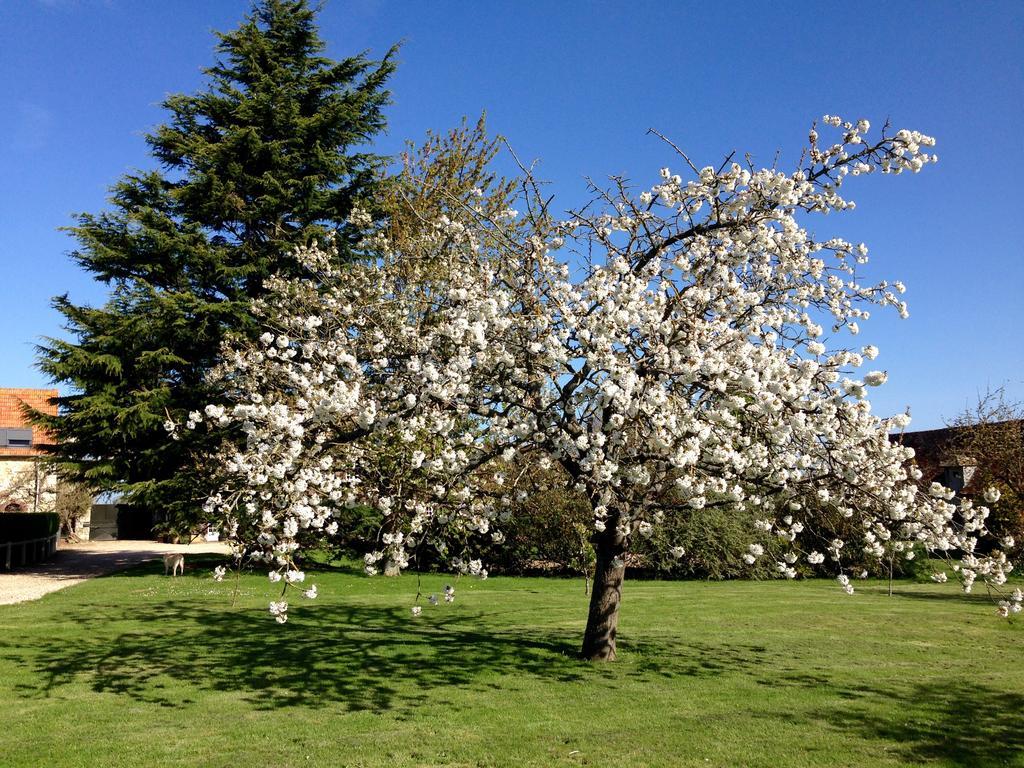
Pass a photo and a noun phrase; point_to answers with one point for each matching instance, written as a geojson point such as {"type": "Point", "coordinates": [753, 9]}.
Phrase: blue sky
{"type": "Point", "coordinates": [576, 86]}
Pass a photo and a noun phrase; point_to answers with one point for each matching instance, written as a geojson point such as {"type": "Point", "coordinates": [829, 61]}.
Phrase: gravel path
{"type": "Point", "coordinates": [74, 563]}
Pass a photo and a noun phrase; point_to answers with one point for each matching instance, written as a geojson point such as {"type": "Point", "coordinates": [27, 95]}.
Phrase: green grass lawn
{"type": "Point", "coordinates": [142, 670]}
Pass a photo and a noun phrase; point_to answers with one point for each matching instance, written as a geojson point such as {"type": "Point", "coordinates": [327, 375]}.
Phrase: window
{"type": "Point", "coordinates": [953, 478]}
{"type": "Point", "coordinates": [15, 438]}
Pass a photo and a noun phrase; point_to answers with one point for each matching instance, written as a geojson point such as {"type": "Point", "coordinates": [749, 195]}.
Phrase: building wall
{"type": "Point", "coordinates": [18, 480]}
{"type": "Point", "coordinates": [21, 468]}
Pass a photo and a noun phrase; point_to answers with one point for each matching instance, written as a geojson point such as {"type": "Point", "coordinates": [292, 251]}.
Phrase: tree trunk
{"type": "Point", "coordinates": [605, 594]}
{"type": "Point", "coordinates": [35, 506]}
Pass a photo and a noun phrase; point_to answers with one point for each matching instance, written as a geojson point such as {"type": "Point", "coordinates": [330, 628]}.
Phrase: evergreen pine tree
{"type": "Point", "coordinates": [265, 158]}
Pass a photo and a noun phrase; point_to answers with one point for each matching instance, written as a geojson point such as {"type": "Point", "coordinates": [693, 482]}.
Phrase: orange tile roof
{"type": "Point", "coordinates": [11, 416]}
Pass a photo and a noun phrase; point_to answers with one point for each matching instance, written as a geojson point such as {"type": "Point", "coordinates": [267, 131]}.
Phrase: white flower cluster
{"type": "Point", "coordinates": [1012, 605]}
{"type": "Point", "coordinates": [360, 218]}
{"type": "Point", "coordinates": [844, 582]}
{"type": "Point", "coordinates": [279, 610]}
{"type": "Point", "coordinates": [449, 597]}
{"type": "Point", "coordinates": [686, 365]}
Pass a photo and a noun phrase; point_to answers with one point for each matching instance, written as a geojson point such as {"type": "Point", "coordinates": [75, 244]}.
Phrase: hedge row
{"type": "Point", "coordinates": [24, 526]}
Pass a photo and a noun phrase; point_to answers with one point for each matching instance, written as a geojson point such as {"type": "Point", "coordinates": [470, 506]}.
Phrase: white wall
{"type": "Point", "coordinates": [18, 477]}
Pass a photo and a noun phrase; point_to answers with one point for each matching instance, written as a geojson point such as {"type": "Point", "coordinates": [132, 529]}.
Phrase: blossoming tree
{"type": "Point", "coordinates": [687, 346]}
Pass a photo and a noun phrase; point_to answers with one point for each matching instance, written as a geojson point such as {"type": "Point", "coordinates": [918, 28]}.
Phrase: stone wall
{"type": "Point", "coordinates": [18, 481]}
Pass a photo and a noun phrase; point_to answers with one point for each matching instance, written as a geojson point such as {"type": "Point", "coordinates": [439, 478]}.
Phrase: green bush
{"type": "Point", "coordinates": [24, 526]}
{"type": "Point", "coordinates": [715, 540]}
{"type": "Point", "coordinates": [546, 533]}
{"type": "Point", "coordinates": [359, 528]}
{"type": "Point", "coordinates": [922, 567]}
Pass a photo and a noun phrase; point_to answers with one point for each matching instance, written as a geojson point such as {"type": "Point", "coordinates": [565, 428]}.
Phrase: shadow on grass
{"type": "Point", "coordinates": [964, 724]}
{"type": "Point", "coordinates": [954, 720]}
{"type": "Point", "coordinates": [363, 657]}
{"type": "Point", "coordinates": [972, 598]}
{"type": "Point", "coordinates": [914, 590]}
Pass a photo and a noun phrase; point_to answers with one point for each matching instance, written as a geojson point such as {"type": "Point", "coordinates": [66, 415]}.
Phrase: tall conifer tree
{"type": "Point", "coordinates": [268, 156]}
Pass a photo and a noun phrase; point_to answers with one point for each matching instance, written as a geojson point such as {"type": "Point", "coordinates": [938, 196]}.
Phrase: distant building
{"type": "Point", "coordinates": [941, 459]}
{"type": "Point", "coordinates": [26, 482]}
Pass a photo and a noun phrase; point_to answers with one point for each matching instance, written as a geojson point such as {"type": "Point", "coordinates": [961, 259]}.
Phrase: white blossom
{"type": "Point", "coordinates": [686, 359]}
{"type": "Point", "coordinates": [876, 378]}
{"type": "Point", "coordinates": [279, 610]}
